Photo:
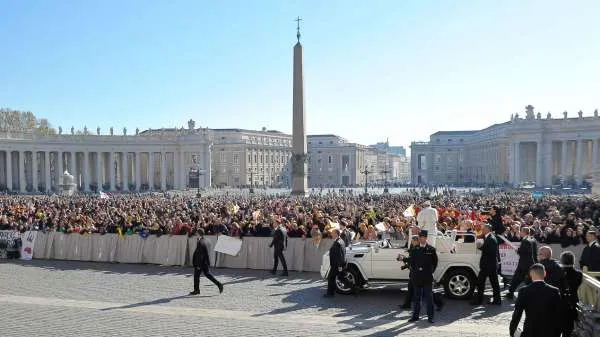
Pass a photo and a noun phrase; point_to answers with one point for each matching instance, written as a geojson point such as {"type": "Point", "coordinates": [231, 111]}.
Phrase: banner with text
{"type": "Point", "coordinates": [28, 240]}
{"type": "Point", "coordinates": [509, 259]}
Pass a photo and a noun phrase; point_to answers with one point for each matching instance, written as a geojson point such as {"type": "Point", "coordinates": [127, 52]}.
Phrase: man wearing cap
{"type": "Point", "coordinates": [427, 220]}
{"type": "Point", "coordinates": [590, 257]}
{"type": "Point", "coordinates": [423, 263]}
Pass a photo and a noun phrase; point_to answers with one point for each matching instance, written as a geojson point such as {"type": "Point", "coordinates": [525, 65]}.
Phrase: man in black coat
{"type": "Point", "coordinates": [488, 267]}
{"type": "Point", "coordinates": [541, 303]}
{"type": "Point", "coordinates": [423, 263]}
{"type": "Point", "coordinates": [337, 263]}
{"type": "Point", "coordinates": [570, 299]}
{"type": "Point", "coordinates": [279, 241]}
{"type": "Point", "coordinates": [555, 275]}
{"type": "Point", "coordinates": [590, 257]}
{"type": "Point", "coordinates": [527, 257]}
{"type": "Point", "coordinates": [201, 263]}
{"type": "Point", "coordinates": [437, 298]}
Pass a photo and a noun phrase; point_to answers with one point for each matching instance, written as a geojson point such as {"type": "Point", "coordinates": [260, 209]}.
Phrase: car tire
{"type": "Point", "coordinates": [351, 274]}
{"type": "Point", "coordinates": [459, 284]}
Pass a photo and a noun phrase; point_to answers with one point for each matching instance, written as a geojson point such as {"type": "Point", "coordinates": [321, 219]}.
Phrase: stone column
{"type": "Point", "coordinates": [163, 171]}
{"type": "Point", "coordinates": [111, 169]}
{"type": "Point", "coordinates": [563, 159]}
{"type": "Point", "coordinates": [151, 170]}
{"type": "Point", "coordinates": [99, 170]}
{"type": "Point", "coordinates": [47, 184]}
{"type": "Point", "coordinates": [22, 178]}
{"type": "Point", "coordinates": [579, 162]}
{"type": "Point", "coordinates": [138, 172]}
{"type": "Point", "coordinates": [517, 181]}
{"type": "Point", "coordinates": [594, 154]}
{"type": "Point", "coordinates": [539, 165]}
{"type": "Point", "coordinates": [9, 182]}
{"type": "Point", "coordinates": [72, 164]}
{"type": "Point", "coordinates": [60, 171]}
{"type": "Point", "coordinates": [34, 171]}
{"type": "Point", "coordinates": [86, 171]}
{"type": "Point", "coordinates": [125, 174]}
{"type": "Point", "coordinates": [182, 174]}
{"type": "Point", "coordinates": [176, 170]}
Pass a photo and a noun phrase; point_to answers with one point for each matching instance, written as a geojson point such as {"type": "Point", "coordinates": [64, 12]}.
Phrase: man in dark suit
{"type": "Point", "coordinates": [337, 263]}
{"type": "Point", "coordinates": [555, 275]}
{"type": "Point", "coordinates": [590, 257]}
{"type": "Point", "coordinates": [541, 303]}
{"type": "Point", "coordinates": [280, 243]}
{"type": "Point", "coordinates": [570, 299]}
{"type": "Point", "coordinates": [488, 267]}
{"type": "Point", "coordinates": [527, 257]}
{"type": "Point", "coordinates": [345, 233]}
{"type": "Point", "coordinates": [201, 262]}
{"type": "Point", "coordinates": [424, 260]}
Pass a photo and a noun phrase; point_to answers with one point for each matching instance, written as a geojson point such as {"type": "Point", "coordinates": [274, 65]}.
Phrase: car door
{"type": "Point", "coordinates": [385, 266]}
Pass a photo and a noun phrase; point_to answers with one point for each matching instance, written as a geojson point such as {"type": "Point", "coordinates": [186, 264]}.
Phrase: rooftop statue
{"type": "Point", "coordinates": [111, 131]}
{"type": "Point", "coordinates": [539, 115]}
{"type": "Point", "coordinates": [549, 115]}
{"type": "Point", "coordinates": [565, 114]}
{"type": "Point", "coordinates": [60, 130]}
{"type": "Point", "coordinates": [596, 113]}
{"type": "Point", "coordinates": [72, 130]}
{"type": "Point", "coordinates": [191, 124]}
{"type": "Point", "coordinates": [124, 131]}
{"type": "Point", "coordinates": [98, 131]}
{"type": "Point", "coordinates": [580, 113]}
{"type": "Point", "coordinates": [85, 130]}
{"type": "Point", "coordinates": [137, 131]}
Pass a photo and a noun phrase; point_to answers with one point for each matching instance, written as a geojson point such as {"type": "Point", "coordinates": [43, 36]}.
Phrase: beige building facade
{"type": "Point", "coordinates": [531, 150]}
{"type": "Point", "coordinates": [240, 156]}
{"type": "Point", "coordinates": [334, 162]}
{"type": "Point", "coordinates": [157, 160]}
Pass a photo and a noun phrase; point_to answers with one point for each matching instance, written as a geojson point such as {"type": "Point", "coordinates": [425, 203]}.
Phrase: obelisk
{"type": "Point", "coordinates": [299, 182]}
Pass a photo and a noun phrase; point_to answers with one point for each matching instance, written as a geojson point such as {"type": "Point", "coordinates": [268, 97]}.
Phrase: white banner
{"type": "Point", "coordinates": [509, 259]}
{"type": "Point", "coordinates": [28, 240]}
{"type": "Point", "coordinates": [228, 245]}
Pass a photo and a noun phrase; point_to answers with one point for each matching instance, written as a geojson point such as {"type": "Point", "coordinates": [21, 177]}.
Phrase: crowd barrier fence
{"type": "Point", "coordinates": [177, 250]}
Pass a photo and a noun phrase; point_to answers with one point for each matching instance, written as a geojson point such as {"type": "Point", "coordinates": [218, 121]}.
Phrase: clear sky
{"type": "Point", "coordinates": [373, 69]}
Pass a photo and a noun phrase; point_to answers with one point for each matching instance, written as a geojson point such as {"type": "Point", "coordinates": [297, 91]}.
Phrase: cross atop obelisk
{"type": "Point", "coordinates": [298, 28]}
{"type": "Point", "coordinates": [299, 178]}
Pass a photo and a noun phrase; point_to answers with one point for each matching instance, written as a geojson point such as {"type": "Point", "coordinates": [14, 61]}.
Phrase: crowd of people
{"type": "Point", "coordinates": [554, 219]}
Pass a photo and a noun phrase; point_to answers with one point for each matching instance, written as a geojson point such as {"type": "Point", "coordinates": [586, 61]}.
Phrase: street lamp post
{"type": "Point", "coordinates": [385, 182]}
{"type": "Point", "coordinates": [366, 173]}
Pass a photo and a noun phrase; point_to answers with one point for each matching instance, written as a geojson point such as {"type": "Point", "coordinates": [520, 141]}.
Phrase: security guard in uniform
{"type": "Point", "coordinates": [423, 264]}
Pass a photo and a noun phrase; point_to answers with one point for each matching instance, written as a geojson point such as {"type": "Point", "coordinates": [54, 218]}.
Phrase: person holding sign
{"type": "Point", "coordinates": [201, 262]}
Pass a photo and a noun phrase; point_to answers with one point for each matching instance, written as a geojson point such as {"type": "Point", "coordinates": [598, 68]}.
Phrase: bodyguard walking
{"type": "Point", "coordinates": [541, 303]}
{"type": "Point", "coordinates": [488, 267]}
{"type": "Point", "coordinates": [423, 263]}
{"type": "Point", "coordinates": [527, 257]}
{"type": "Point", "coordinates": [279, 241]}
{"type": "Point", "coordinates": [201, 262]}
{"type": "Point", "coordinates": [590, 257]}
{"type": "Point", "coordinates": [337, 263]}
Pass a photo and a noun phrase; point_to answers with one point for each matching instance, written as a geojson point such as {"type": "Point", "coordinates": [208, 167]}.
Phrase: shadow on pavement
{"type": "Point", "coordinates": [372, 308]}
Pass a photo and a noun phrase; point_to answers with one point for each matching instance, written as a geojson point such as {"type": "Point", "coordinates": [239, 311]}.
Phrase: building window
{"type": "Point", "coordinates": [223, 156]}
{"type": "Point", "coordinates": [250, 158]}
{"type": "Point", "coordinates": [329, 159]}
{"type": "Point", "coordinates": [236, 159]}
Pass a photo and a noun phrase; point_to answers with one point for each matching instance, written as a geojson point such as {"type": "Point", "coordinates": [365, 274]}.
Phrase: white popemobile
{"type": "Point", "coordinates": [374, 262]}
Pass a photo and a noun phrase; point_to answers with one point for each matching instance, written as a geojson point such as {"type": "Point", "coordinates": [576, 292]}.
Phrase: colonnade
{"type": "Point", "coordinates": [42, 171]}
{"type": "Point", "coordinates": [542, 161]}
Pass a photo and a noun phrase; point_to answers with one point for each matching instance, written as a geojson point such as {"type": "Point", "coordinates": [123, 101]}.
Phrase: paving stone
{"type": "Point", "coordinates": [66, 298]}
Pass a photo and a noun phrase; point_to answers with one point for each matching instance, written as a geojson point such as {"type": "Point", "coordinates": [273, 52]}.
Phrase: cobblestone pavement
{"type": "Point", "coordinates": [65, 298]}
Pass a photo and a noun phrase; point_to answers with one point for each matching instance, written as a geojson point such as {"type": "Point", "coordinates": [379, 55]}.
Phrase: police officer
{"type": "Point", "coordinates": [423, 264]}
{"type": "Point", "coordinates": [437, 300]}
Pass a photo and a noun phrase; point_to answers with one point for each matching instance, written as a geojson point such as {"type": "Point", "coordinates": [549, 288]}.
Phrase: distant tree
{"type": "Point", "coordinates": [15, 120]}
